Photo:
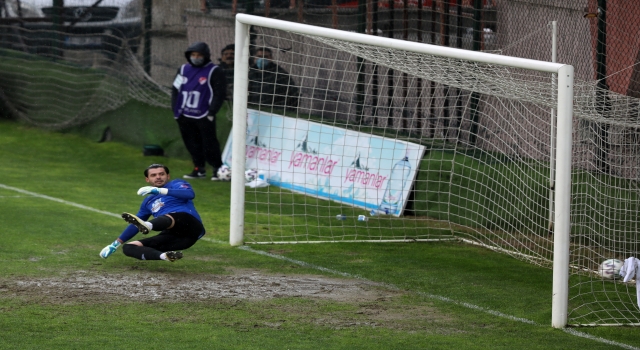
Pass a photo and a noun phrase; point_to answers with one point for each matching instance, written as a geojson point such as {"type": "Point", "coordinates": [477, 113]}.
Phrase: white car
{"type": "Point", "coordinates": [87, 23]}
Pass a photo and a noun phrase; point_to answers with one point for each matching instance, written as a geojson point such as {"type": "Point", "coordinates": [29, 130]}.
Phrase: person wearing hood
{"type": "Point", "coordinates": [198, 92]}
{"type": "Point", "coordinates": [270, 84]}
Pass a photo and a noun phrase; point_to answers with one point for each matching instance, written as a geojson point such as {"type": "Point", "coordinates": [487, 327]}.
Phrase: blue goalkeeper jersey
{"type": "Point", "coordinates": [179, 199]}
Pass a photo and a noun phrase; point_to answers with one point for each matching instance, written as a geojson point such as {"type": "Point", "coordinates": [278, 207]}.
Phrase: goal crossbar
{"type": "Point", "coordinates": [396, 44]}
{"type": "Point", "coordinates": [564, 110]}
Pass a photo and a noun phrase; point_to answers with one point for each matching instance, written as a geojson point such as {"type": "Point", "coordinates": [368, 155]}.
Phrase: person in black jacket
{"type": "Point", "coordinates": [270, 84]}
{"type": "Point", "coordinates": [227, 59]}
{"type": "Point", "coordinates": [198, 92]}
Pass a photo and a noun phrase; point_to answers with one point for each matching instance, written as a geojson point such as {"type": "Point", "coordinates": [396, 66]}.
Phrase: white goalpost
{"type": "Point", "coordinates": [316, 58]}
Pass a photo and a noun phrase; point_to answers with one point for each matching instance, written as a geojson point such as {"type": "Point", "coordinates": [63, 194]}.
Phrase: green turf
{"type": "Point", "coordinates": [51, 92]}
{"type": "Point", "coordinates": [54, 94]}
{"type": "Point", "coordinates": [465, 186]}
{"type": "Point", "coordinates": [42, 238]}
{"type": "Point", "coordinates": [138, 124]}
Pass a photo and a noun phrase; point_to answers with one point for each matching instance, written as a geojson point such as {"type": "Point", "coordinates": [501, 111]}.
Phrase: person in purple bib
{"type": "Point", "coordinates": [198, 92]}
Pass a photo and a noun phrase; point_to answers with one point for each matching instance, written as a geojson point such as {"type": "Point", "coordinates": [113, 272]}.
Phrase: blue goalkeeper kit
{"type": "Point", "coordinates": [177, 200]}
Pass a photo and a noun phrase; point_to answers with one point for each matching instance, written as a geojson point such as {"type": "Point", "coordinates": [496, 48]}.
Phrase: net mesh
{"type": "Point", "coordinates": [486, 130]}
{"type": "Point", "coordinates": [58, 89]}
{"type": "Point", "coordinates": [486, 175]}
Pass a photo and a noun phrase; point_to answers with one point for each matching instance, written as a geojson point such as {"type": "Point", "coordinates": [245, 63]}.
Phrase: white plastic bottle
{"type": "Point", "coordinates": [392, 197]}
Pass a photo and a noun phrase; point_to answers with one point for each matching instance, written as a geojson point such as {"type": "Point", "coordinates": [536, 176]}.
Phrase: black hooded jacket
{"type": "Point", "coordinates": [272, 86]}
{"type": "Point", "coordinates": [218, 81]}
{"type": "Point", "coordinates": [201, 47]}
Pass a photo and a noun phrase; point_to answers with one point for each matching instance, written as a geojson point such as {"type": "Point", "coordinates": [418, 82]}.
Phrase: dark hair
{"type": "Point", "coordinates": [228, 47]}
{"type": "Point", "coordinates": [154, 166]}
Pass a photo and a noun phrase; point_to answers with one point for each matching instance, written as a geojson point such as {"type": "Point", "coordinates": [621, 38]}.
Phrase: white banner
{"type": "Point", "coordinates": [346, 166]}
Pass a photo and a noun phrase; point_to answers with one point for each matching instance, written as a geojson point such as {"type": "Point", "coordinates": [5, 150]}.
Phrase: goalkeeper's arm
{"type": "Point", "coordinates": [143, 191]}
{"type": "Point", "coordinates": [110, 249]}
{"type": "Point", "coordinates": [126, 235]}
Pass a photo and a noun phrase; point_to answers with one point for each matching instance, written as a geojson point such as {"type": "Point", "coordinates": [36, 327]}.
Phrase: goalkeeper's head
{"type": "Point", "coordinates": [155, 166]}
{"type": "Point", "coordinates": [157, 175]}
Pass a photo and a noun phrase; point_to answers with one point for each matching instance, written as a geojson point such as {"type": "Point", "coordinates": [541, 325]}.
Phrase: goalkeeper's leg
{"type": "Point", "coordinates": [141, 252]}
{"type": "Point", "coordinates": [160, 223]}
{"type": "Point", "coordinates": [138, 251]}
{"type": "Point", "coordinates": [148, 253]}
{"type": "Point", "coordinates": [181, 231]}
{"type": "Point", "coordinates": [164, 246]}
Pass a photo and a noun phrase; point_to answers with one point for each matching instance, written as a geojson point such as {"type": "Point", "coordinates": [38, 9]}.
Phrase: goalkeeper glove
{"type": "Point", "coordinates": [110, 249]}
{"type": "Point", "coordinates": [143, 191]}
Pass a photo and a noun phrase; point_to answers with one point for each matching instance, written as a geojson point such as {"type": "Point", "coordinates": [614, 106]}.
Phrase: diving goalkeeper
{"type": "Point", "coordinates": [175, 216]}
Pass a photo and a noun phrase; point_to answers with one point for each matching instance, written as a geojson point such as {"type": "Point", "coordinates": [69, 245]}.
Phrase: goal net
{"type": "Point", "coordinates": [360, 138]}
{"type": "Point", "coordinates": [46, 81]}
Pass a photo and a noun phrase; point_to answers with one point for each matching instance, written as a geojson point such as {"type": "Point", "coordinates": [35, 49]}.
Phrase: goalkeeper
{"type": "Point", "coordinates": [175, 216]}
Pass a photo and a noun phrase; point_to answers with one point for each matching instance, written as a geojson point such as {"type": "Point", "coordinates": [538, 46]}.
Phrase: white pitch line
{"type": "Point", "coordinates": [391, 286]}
{"type": "Point", "coordinates": [572, 331]}
{"type": "Point", "coordinates": [57, 200]}
{"type": "Point", "coordinates": [432, 296]}
{"type": "Point", "coordinates": [345, 274]}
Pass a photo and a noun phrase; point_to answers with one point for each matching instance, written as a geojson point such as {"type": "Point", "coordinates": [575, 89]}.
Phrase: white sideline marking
{"type": "Point", "coordinates": [598, 339]}
{"type": "Point", "coordinates": [57, 200]}
{"type": "Point", "coordinates": [431, 296]}
{"type": "Point", "coordinates": [345, 274]}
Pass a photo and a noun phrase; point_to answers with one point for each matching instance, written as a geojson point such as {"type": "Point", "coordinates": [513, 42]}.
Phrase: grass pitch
{"type": "Point", "coordinates": [55, 292]}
